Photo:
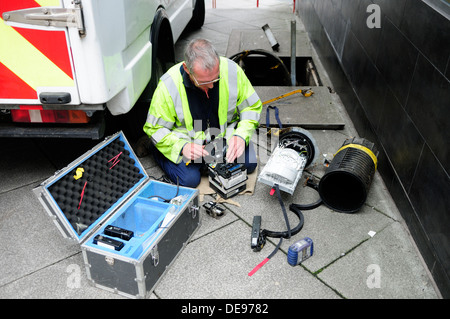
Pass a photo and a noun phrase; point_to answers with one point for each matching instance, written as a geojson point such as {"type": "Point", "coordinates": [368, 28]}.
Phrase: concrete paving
{"type": "Point", "coordinates": [348, 262]}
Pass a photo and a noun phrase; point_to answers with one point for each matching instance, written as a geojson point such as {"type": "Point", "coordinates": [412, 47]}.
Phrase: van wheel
{"type": "Point", "coordinates": [198, 16]}
{"type": "Point", "coordinates": [163, 47]}
{"type": "Point", "coordinates": [159, 67]}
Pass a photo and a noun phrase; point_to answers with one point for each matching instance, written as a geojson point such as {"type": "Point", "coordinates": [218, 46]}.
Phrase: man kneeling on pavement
{"type": "Point", "coordinates": [203, 98]}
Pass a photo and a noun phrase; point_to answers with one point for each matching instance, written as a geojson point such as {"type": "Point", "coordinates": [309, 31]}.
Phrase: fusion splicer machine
{"type": "Point", "coordinates": [227, 179]}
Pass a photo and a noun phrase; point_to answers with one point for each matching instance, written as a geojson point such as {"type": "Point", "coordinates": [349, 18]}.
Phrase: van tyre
{"type": "Point", "coordinates": [198, 17]}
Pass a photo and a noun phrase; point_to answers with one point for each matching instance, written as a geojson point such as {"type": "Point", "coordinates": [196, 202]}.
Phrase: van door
{"type": "Point", "coordinates": [36, 65]}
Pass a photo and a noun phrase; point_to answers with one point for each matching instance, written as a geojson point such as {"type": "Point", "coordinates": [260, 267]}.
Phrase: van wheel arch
{"type": "Point", "coordinates": [163, 57]}
{"type": "Point", "coordinates": [163, 51]}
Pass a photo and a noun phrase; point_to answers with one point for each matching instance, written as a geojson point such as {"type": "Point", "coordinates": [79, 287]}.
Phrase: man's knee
{"type": "Point", "coordinates": [190, 178]}
{"type": "Point", "coordinates": [251, 167]}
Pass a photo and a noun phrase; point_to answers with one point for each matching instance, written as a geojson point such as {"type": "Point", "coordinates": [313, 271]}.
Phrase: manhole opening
{"type": "Point", "coordinates": [275, 71]}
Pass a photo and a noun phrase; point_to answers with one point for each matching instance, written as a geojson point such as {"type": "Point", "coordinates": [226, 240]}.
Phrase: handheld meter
{"type": "Point", "coordinates": [300, 251]}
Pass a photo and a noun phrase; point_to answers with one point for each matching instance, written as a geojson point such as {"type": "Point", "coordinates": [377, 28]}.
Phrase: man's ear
{"type": "Point", "coordinates": [185, 67]}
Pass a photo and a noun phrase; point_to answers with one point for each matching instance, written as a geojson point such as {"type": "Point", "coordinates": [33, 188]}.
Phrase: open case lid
{"type": "Point", "coordinates": [90, 189]}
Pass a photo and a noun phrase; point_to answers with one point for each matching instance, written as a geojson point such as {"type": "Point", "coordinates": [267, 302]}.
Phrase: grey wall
{"type": "Point", "coordinates": [394, 82]}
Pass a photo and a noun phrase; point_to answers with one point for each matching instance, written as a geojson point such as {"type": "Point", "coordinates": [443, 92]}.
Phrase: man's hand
{"type": "Point", "coordinates": [236, 148]}
{"type": "Point", "coordinates": [193, 151]}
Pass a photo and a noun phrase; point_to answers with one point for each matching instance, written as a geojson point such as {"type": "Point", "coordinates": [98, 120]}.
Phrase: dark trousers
{"type": "Point", "coordinates": [190, 175]}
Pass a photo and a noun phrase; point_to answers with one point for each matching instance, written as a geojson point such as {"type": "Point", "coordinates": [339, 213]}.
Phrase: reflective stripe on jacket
{"type": "Point", "coordinates": [169, 122]}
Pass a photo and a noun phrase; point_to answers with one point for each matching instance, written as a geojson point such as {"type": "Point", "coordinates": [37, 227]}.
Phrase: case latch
{"type": "Point", "coordinates": [193, 210]}
{"type": "Point", "coordinates": [155, 255]}
{"type": "Point", "coordinates": [109, 260]}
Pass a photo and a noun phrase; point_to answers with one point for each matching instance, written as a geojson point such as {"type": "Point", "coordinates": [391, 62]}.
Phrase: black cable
{"type": "Point", "coordinates": [296, 209]}
{"type": "Point", "coordinates": [306, 206]}
{"type": "Point", "coordinates": [290, 232]}
{"type": "Point", "coordinates": [310, 206]}
{"type": "Point", "coordinates": [276, 249]}
{"type": "Point", "coordinates": [166, 200]}
{"type": "Point", "coordinates": [277, 189]}
{"type": "Point", "coordinates": [288, 226]}
{"type": "Point", "coordinates": [281, 239]}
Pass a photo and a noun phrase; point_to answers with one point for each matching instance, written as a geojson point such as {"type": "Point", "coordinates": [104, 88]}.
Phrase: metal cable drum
{"type": "Point", "coordinates": [346, 182]}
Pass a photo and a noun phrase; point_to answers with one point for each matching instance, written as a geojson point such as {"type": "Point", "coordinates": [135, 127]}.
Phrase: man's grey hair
{"type": "Point", "coordinates": [201, 51]}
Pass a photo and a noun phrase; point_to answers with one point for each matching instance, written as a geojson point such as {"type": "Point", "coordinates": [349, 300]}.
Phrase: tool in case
{"type": "Point", "coordinates": [130, 228]}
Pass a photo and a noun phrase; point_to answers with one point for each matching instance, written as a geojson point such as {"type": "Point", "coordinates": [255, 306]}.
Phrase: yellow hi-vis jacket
{"type": "Point", "coordinates": [169, 122]}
